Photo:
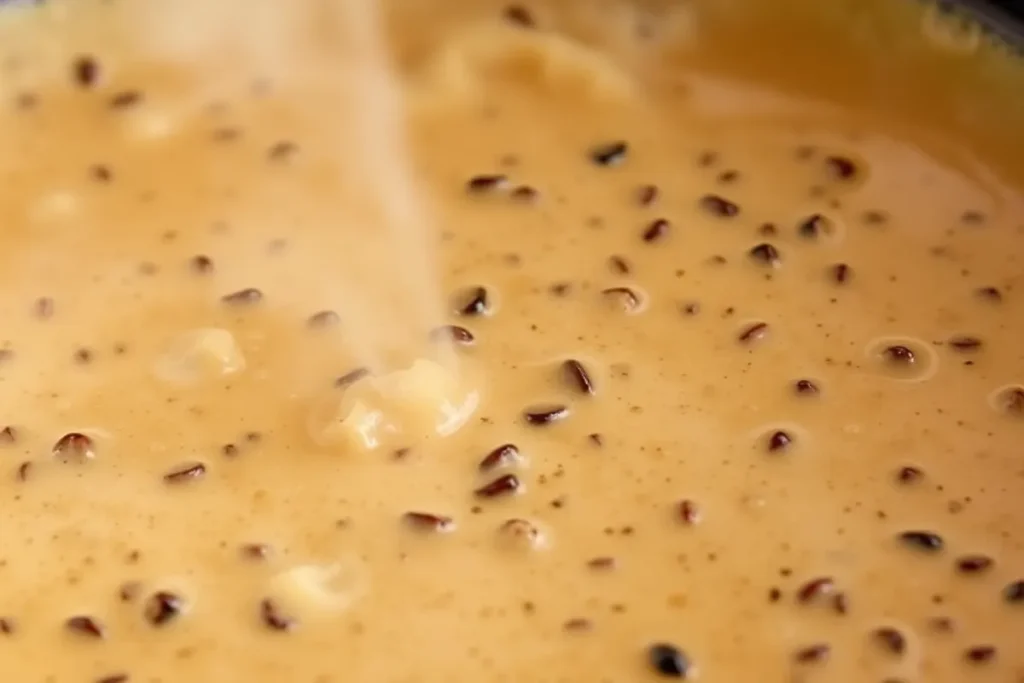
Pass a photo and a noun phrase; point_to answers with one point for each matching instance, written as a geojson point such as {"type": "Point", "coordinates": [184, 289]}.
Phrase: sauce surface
{"type": "Point", "coordinates": [737, 344]}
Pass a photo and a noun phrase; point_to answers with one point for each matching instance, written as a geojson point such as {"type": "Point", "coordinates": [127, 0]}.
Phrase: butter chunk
{"type": "Point", "coordinates": [308, 589]}
{"type": "Point", "coordinates": [472, 60]}
{"type": "Point", "coordinates": [419, 402]}
{"type": "Point", "coordinates": [200, 355]}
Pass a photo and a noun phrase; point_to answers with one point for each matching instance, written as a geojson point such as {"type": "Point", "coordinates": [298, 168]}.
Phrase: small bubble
{"type": "Point", "coordinates": [719, 206]}
{"type": "Point", "coordinates": [816, 226]}
{"type": "Point", "coordinates": [815, 589]}
{"type": "Point", "coordinates": [689, 512]}
{"type": "Point", "coordinates": [545, 414]}
{"type": "Point", "coordinates": [74, 447]}
{"type": "Point", "coordinates": [766, 254]}
{"type": "Point", "coordinates": [578, 377]}
{"type": "Point", "coordinates": [669, 661]}
{"type": "Point", "coordinates": [974, 564]}
{"type": "Point", "coordinates": [874, 217]}
{"type": "Point", "coordinates": [43, 308]}
{"type": "Point", "coordinates": [282, 151]}
{"type": "Point", "coordinates": [114, 678]}
{"type": "Point", "coordinates": [524, 194]}
{"type": "Point", "coordinates": [908, 360]}
{"type": "Point", "coordinates": [728, 176]}
{"type": "Point", "coordinates": [779, 441]}
{"type": "Point", "coordinates": [503, 485]}
{"type": "Point", "coordinates": [86, 626]}
{"type": "Point", "coordinates": [609, 154]}
{"type": "Point", "coordinates": [8, 435]}
{"type": "Point", "coordinates": [475, 302]}
{"type": "Point", "coordinates": [657, 230]}
{"type": "Point", "coordinates": [980, 654]}
{"type": "Point", "coordinates": [908, 474]}
{"type": "Point", "coordinates": [603, 563]}
{"type": "Point", "coordinates": [226, 134]}
{"type": "Point", "coordinates": [454, 333]}
{"type": "Point", "coordinates": [707, 158]}
{"type": "Point", "coordinates": [841, 168]}
{"type": "Point", "coordinates": [1009, 400]}
{"type": "Point", "coordinates": [518, 15]}
{"type": "Point", "coordinates": [273, 618]}
{"type": "Point", "coordinates": [965, 343]}
{"type": "Point", "coordinates": [243, 297]}
{"type": "Point", "coordinates": [163, 607]}
{"type": "Point", "coordinates": [900, 354]}
{"type": "Point", "coordinates": [502, 456]}
{"type": "Point", "coordinates": [1013, 593]}
{"type": "Point", "coordinates": [85, 71]}
{"type": "Point", "coordinates": [840, 273]}
{"type": "Point", "coordinates": [521, 534]}
{"type": "Point", "coordinates": [26, 101]}
{"type": "Point", "coordinates": [429, 522]}
{"type": "Point", "coordinates": [804, 152]}
{"type": "Point", "coordinates": [560, 289]}
{"type": "Point", "coordinates": [578, 625]}
{"type": "Point", "coordinates": [890, 639]}
{"type": "Point", "coordinates": [972, 217]}
{"type": "Point", "coordinates": [129, 590]}
{"type": "Point", "coordinates": [991, 294]}
{"type": "Point", "coordinates": [619, 265]}
{"type": "Point", "coordinates": [813, 653]}
{"type": "Point", "coordinates": [486, 183]}
{"type": "Point", "coordinates": [256, 551]}
{"type": "Point", "coordinates": [647, 194]}
{"type": "Point", "coordinates": [201, 264]}
{"type": "Point", "coordinates": [806, 387]}
{"type": "Point", "coordinates": [754, 332]}
{"type": "Point", "coordinates": [626, 299]}
{"type": "Point", "coordinates": [101, 173]}
{"type": "Point", "coordinates": [351, 377]}
{"type": "Point", "coordinates": [927, 541]}
{"type": "Point", "coordinates": [125, 100]}
{"type": "Point", "coordinates": [323, 319]}
{"type": "Point", "coordinates": [185, 472]}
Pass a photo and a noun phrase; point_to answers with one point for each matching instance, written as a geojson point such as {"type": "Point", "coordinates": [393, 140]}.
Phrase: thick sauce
{"type": "Point", "coordinates": [739, 365]}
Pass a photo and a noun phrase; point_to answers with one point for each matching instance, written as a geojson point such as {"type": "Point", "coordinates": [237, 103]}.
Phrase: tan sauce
{"type": "Point", "coordinates": [777, 334]}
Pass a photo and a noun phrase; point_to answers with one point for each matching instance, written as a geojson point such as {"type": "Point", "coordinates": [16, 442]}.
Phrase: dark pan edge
{"type": "Point", "coordinates": [1002, 19]}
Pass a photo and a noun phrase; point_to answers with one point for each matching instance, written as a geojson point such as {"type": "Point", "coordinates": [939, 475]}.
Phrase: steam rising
{"type": "Point", "coordinates": [379, 274]}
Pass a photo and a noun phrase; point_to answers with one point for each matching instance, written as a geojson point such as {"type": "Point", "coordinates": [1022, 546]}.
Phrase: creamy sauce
{"type": "Point", "coordinates": [738, 371]}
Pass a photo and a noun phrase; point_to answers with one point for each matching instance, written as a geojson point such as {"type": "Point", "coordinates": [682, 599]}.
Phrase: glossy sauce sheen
{"type": "Point", "coordinates": [747, 363]}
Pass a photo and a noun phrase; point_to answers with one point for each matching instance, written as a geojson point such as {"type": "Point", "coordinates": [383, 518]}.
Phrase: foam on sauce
{"type": "Point", "coordinates": [734, 309]}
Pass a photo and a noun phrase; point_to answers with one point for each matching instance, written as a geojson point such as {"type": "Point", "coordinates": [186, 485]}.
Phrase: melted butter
{"type": "Point", "coordinates": [736, 422]}
{"type": "Point", "coordinates": [401, 407]}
